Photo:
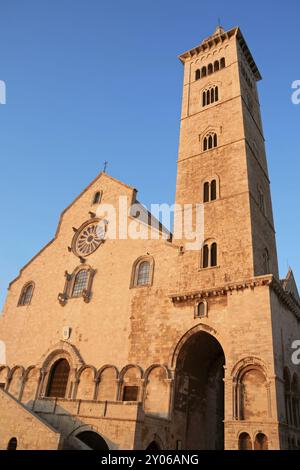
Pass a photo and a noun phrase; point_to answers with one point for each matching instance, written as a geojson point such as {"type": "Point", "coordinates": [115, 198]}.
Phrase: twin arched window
{"type": "Point", "coordinates": [211, 68]}
{"type": "Point", "coordinates": [260, 443]}
{"type": "Point", "coordinates": [210, 191]}
{"type": "Point", "coordinates": [210, 96]}
{"type": "Point", "coordinates": [210, 141]}
{"type": "Point", "coordinates": [209, 255]}
{"type": "Point", "coordinates": [142, 274]}
{"type": "Point", "coordinates": [26, 294]}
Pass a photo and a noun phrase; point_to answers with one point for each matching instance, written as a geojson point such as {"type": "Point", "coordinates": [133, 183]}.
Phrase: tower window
{"type": "Point", "coordinates": [203, 72]}
{"type": "Point", "coordinates": [222, 63]}
{"type": "Point", "coordinates": [210, 191]}
{"type": "Point", "coordinates": [266, 259]}
{"type": "Point", "coordinates": [210, 96]}
{"type": "Point", "coordinates": [197, 74]}
{"type": "Point", "coordinates": [210, 141]}
{"type": "Point", "coordinates": [209, 255]}
{"type": "Point", "coordinates": [97, 197]}
{"type": "Point", "coordinates": [210, 69]}
{"type": "Point", "coordinates": [216, 66]}
{"type": "Point", "coordinates": [26, 294]}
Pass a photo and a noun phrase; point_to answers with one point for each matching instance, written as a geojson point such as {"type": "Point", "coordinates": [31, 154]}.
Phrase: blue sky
{"type": "Point", "coordinates": [89, 81]}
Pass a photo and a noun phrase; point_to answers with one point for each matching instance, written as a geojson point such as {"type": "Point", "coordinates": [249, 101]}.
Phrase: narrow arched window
{"type": "Point", "coordinates": [216, 93]}
{"type": "Point", "coordinates": [204, 98]}
{"type": "Point", "coordinates": [12, 444]}
{"type": "Point", "coordinates": [203, 72]}
{"type": "Point", "coordinates": [210, 142]}
{"type": "Point", "coordinates": [58, 379]}
{"type": "Point", "coordinates": [266, 259]}
{"type": "Point", "coordinates": [213, 190]}
{"type": "Point", "coordinates": [208, 97]}
{"type": "Point", "coordinates": [213, 254]}
{"type": "Point", "coordinates": [216, 66]}
{"type": "Point", "coordinates": [201, 310]}
{"type": "Point", "coordinates": [245, 441]}
{"type": "Point", "coordinates": [143, 274]}
{"type": "Point", "coordinates": [206, 191]}
{"type": "Point", "coordinates": [26, 294]}
{"type": "Point", "coordinates": [97, 197]}
{"type": "Point", "coordinates": [197, 74]}
{"type": "Point", "coordinates": [205, 262]}
{"type": "Point", "coordinates": [205, 144]}
{"type": "Point", "coordinates": [210, 69]}
{"type": "Point", "coordinates": [212, 95]}
{"type": "Point", "coordinates": [215, 140]}
{"type": "Point", "coordinates": [80, 283]}
{"type": "Point", "coordinates": [222, 63]}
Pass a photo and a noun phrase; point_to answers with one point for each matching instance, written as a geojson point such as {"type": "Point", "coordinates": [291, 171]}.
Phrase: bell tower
{"type": "Point", "coordinates": [222, 160]}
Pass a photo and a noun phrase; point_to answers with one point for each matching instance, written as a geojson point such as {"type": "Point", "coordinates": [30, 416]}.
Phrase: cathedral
{"type": "Point", "coordinates": [132, 343]}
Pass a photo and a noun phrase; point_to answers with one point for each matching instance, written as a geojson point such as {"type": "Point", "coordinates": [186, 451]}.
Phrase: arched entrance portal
{"type": "Point", "coordinates": [58, 379]}
{"type": "Point", "coordinates": [199, 392]}
{"type": "Point", "coordinates": [93, 440]}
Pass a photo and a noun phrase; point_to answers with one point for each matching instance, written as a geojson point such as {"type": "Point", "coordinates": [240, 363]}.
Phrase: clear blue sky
{"type": "Point", "coordinates": [89, 81]}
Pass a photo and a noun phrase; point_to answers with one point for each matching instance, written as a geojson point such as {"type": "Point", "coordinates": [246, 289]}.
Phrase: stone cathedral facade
{"type": "Point", "coordinates": [143, 344]}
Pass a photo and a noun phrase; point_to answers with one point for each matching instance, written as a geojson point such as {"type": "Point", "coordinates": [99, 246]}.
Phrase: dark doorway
{"type": "Point", "coordinates": [93, 440]}
{"type": "Point", "coordinates": [58, 379]}
{"type": "Point", "coordinates": [199, 395]}
{"type": "Point", "coordinates": [12, 444]}
{"type": "Point", "coordinates": [153, 447]}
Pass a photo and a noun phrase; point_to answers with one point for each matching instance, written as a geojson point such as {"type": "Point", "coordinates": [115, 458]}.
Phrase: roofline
{"type": "Point", "coordinates": [215, 40]}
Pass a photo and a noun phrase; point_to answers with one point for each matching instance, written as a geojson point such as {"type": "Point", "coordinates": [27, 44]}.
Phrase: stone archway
{"type": "Point", "coordinates": [93, 440]}
{"type": "Point", "coordinates": [199, 392]}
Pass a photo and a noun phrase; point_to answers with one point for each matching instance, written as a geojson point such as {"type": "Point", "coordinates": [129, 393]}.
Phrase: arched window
{"type": "Point", "coordinates": [209, 255]}
{"type": "Point", "coordinates": [222, 63]}
{"type": "Point", "coordinates": [213, 190]}
{"type": "Point", "coordinates": [58, 379]}
{"type": "Point", "coordinates": [245, 441]}
{"type": "Point", "coordinates": [26, 294]}
{"type": "Point", "coordinates": [204, 98]}
{"type": "Point", "coordinates": [203, 72]}
{"type": "Point", "coordinates": [201, 310]}
{"type": "Point", "coordinates": [210, 191]}
{"type": "Point", "coordinates": [197, 74]}
{"type": "Point", "coordinates": [210, 69]}
{"type": "Point", "coordinates": [216, 66]}
{"type": "Point", "coordinates": [97, 197]}
{"type": "Point", "coordinates": [210, 96]}
{"type": "Point", "coordinates": [216, 94]}
{"type": "Point", "coordinates": [213, 254]}
{"type": "Point", "coordinates": [266, 259]}
{"type": "Point", "coordinates": [206, 192]}
{"type": "Point", "coordinates": [142, 272]}
{"type": "Point", "coordinates": [80, 283]}
{"type": "Point", "coordinates": [210, 141]}
{"type": "Point", "coordinates": [261, 442]}
{"type": "Point", "coordinates": [12, 444]}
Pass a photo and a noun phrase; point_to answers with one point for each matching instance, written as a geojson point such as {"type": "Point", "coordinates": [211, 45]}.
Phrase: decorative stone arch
{"type": "Point", "coordinates": [210, 131]}
{"type": "Point", "coordinates": [177, 346]}
{"type": "Point", "coordinates": [131, 384]}
{"type": "Point", "coordinates": [85, 387]}
{"type": "Point", "coordinates": [135, 269]}
{"type": "Point", "coordinates": [62, 350]}
{"type": "Point", "coordinates": [244, 440]}
{"type": "Point", "coordinates": [157, 391]}
{"type": "Point", "coordinates": [4, 374]}
{"type": "Point", "coordinates": [238, 372]}
{"type": "Point", "coordinates": [15, 383]}
{"type": "Point", "coordinates": [30, 386]}
{"type": "Point", "coordinates": [107, 383]}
